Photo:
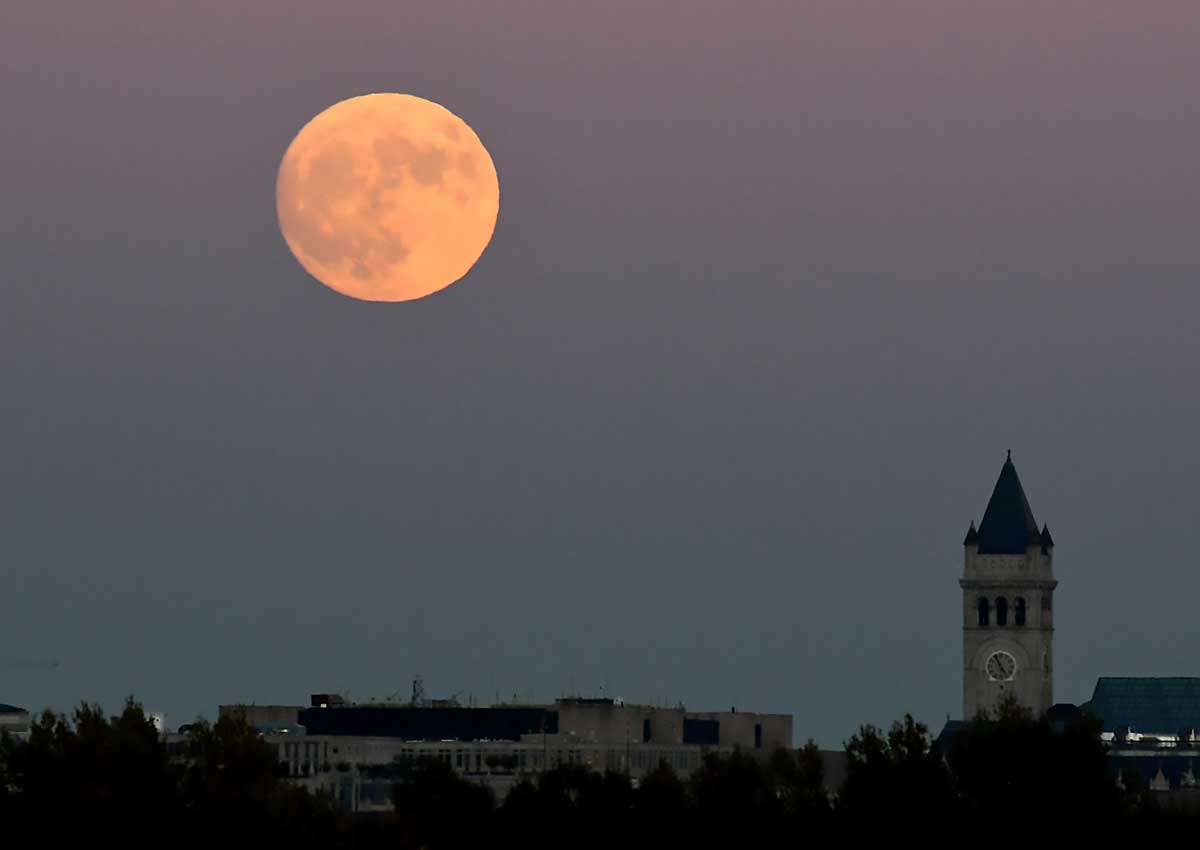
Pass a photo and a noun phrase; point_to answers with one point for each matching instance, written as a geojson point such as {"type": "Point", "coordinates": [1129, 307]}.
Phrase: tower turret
{"type": "Point", "coordinates": [1008, 593]}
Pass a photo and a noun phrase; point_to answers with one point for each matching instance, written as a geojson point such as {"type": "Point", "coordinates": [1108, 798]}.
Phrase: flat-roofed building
{"type": "Point", "coordinates": [352, 750]}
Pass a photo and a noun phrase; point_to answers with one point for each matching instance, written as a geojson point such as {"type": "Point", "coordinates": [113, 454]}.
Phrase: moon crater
{"type": "Point", "coordinates": [387, 197]}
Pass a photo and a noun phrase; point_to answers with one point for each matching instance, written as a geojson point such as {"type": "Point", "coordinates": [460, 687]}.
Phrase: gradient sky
{"type": "Point", "coordinates": [773, 288]}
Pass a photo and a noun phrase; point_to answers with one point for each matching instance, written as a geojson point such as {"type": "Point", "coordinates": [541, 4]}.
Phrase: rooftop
{"type": "Point", "coordinates": [1008, 526]}
{"type": "Point", "coordinates": [1147, 704]}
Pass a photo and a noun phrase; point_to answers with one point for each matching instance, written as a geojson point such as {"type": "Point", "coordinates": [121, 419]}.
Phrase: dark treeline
{"type": "Point", "coordinates": [92, 777]}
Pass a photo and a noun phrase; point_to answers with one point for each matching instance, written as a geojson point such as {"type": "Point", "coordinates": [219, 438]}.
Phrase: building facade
{"type": "Point", "coordinates": [1150, 727]}
{"type": "Point", "coordinates": [14, 721]}
{"type": "Point", "coordinates": [358, 772]}
{"type": "Point", "coordinates": [354, 752]}
{"type": "Point", "coordinates": [1008, 604]}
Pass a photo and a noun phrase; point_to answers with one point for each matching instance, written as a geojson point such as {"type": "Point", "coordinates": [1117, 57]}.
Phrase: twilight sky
{"type": "Point", "coordinates": [773, 287]}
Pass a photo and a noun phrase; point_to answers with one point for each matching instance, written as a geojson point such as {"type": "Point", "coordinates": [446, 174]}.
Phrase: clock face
{"type": "Point", "coordinates": [1001, 667]}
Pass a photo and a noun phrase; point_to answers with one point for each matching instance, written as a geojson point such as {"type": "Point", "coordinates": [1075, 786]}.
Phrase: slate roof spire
{"type": "Point", "coordinates": [1008, 526]}
{"type": "Point", "coordinates": [1047, 540]}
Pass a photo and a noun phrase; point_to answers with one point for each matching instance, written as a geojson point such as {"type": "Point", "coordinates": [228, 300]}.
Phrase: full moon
{"type": "Point", "coordinates": [387, 197]}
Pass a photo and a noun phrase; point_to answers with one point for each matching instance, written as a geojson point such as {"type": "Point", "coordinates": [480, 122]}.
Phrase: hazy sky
{"type": "Point", "coordinates": [773, 288]}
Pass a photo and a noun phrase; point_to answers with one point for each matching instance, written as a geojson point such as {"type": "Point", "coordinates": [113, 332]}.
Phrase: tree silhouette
{"type": "Point", "coordinates": [438, 808]}
{"type": "Point", "coordinates": [1012, 760]}
{"type": "Point", "coordinates": [799, 780]}
{"type": "Point", "coordinates": [896, 776]}
{"type": "Point", "coordinates": [90, 776]}
{"type": "Point", "coordinates": [108, 773]}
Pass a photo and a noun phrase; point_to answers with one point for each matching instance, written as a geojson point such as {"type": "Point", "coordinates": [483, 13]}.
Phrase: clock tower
{"type": "Point", "coordinates": [1008, 604]}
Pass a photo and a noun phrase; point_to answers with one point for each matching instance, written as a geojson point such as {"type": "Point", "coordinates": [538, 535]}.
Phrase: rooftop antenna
{"type": "Point", "coordinates": [418, 690]}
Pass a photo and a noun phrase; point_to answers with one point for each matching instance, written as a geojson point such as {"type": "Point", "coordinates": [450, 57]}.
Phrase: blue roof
{"type": "Point", "coordinates": [1147, 704]}
{"type": "Point", "coordinates": [11, 709]}
{"type": "Point", "coordinates": [1008, 526]}
{"type": "Point", "coordinates": [943, 744]}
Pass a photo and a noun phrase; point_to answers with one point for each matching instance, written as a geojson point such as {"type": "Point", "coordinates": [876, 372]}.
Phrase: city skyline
{"type": "Point", "coordinates": [771, 293]}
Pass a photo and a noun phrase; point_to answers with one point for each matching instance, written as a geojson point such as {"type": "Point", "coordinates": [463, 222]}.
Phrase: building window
{"type": "Point", "coordinates": [646, 731]}
{"type": "Point", "coordinates": [1019, 611]}
{"type": "Point", "coordinates": [1001, 611]}
{"type": "Point", "coordinates": [758, 736]}
{"type": "Point", "coordinates": [983, 610]}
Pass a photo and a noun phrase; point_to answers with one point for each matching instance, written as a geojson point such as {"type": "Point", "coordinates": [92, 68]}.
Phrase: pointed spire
{"type": "Point", "coordinates": [972, 538]}
{"type": "Point", "coordinates": [1008, 526]}
{"type": "Point", "coordinates": [1047, 540]}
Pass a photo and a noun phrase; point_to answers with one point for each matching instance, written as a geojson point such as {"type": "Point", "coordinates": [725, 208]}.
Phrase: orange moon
{"type": "Point", "coordinates": [387, 197]}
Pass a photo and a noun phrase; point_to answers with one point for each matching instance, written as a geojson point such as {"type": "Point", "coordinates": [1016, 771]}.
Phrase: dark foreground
{"type": "Point", "coordinates": [94, 778]}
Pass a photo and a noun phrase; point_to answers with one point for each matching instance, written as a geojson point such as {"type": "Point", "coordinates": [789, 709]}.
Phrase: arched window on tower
{"type": "Point", "coordinates": [983, 611]}
{"type": "Point", "coordinates": [1001, 611]}
{"type": "Point", "coordinates": [1019, 611]}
